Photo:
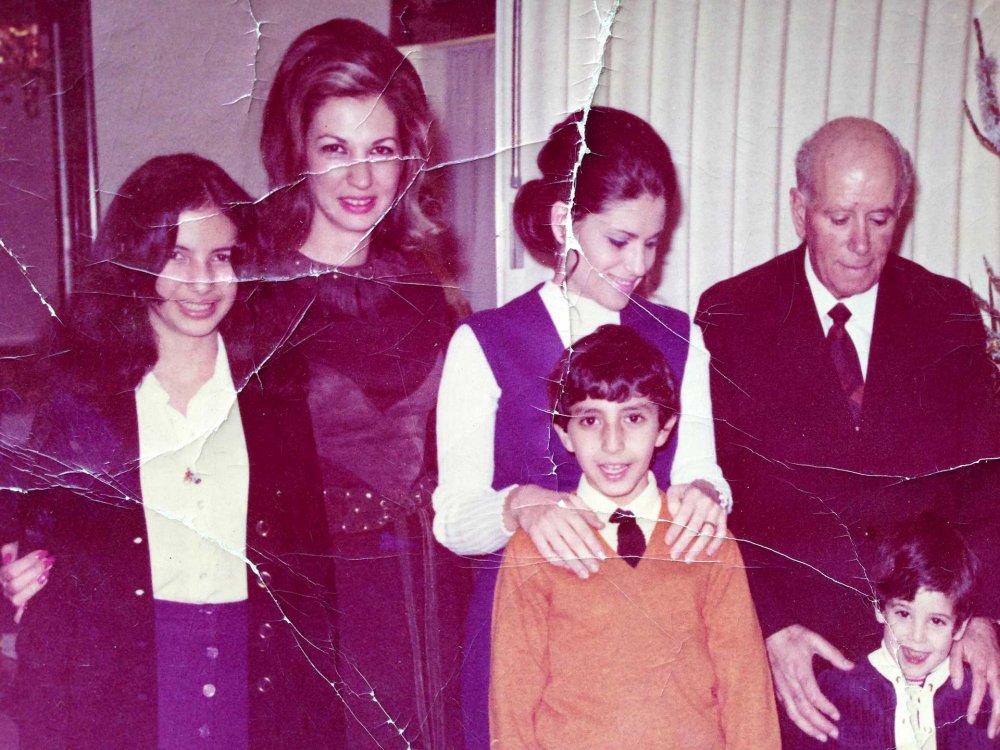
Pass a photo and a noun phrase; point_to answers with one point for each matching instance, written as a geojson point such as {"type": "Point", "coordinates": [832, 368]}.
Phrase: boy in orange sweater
{"type": "Point", "coordinates": [649, 652]}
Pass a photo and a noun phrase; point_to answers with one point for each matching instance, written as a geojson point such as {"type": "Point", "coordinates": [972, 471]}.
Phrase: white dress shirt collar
{"type": "Point", "coordinates": [208, 407]}
{"type": "Point", "coordinates": [574, 316]}
{"type": "Point", "coordinates": [646, 507]}
{"type": "Point", "coordinates": [862, 307]}
{"type": "Point", "coordinates": [915, 725]}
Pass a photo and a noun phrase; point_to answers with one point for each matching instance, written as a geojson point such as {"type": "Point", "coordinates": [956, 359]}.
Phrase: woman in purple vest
{"type": "Point", "coordinates": [601, 219]}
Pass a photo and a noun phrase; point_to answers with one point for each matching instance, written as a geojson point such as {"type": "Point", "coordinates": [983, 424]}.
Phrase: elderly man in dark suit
{"type": "Point", "coordinates": [851, 390]}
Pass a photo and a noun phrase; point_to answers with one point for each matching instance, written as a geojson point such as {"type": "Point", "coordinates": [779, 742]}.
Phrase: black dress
{"type": "Point", "coordinates": [368, 344]}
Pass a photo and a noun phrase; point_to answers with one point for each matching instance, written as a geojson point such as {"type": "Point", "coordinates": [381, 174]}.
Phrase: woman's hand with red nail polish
{"type": "Point", "coordinates": [22, 578]}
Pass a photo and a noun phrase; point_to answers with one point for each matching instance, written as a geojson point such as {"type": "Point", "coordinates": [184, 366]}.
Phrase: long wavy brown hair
{"type": "Point", "coordinates": [343, 58]}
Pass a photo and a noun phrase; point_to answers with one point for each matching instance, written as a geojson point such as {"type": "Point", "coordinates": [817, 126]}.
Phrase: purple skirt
{"type": "Point", "coordinates": [201, 669]}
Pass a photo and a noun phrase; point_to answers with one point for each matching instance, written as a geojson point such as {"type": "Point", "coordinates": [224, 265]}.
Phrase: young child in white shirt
{"type": "Point", "coordinates": [901, 695]}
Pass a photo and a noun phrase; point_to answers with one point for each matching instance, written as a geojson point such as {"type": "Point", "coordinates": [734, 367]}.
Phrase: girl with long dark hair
{"type": "Point", "coordinates": [192, 601]}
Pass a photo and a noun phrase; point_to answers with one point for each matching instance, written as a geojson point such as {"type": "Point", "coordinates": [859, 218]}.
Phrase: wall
{"type": "Point", "coordinates": [459, 79]}
{"type": "Point", "coordinates": [29, 277]}
{"type": "Point", "coordinates": [192, 75]}
{"type": "Point", "coordinates": [735, 85]}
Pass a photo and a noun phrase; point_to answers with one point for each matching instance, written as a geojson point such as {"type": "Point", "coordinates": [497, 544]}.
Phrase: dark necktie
{"type": "Point", "coordinates": [845, 359]}
{"type": "Point", "coordinates": [631, 542]}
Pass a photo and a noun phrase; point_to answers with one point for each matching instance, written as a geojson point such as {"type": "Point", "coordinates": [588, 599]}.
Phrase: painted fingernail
{"type": "Point", "coordinates": [42, 554]}
{"type": "Point", "coordinates": [43, 579]}
{"type": "Point", "coordinates": [8, 559]}
{"type": "Point", "coordinates": [49, 562]}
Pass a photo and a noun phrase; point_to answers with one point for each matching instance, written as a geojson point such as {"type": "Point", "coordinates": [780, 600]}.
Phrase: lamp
{"type": "Point", "coordinates": [24, 63]}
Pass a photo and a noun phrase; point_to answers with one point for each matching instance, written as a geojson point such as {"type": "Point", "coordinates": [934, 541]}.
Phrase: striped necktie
{"type": "Point", "coordinates": [845, 360]}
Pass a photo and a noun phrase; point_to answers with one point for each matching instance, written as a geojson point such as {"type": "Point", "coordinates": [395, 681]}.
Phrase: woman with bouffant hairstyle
{"type": "Point", "coordinates": [356, 311]}
{"type": "Point", "coordinates": [599, 213]}
{"type": "Point", "coordinates": [345, 58]}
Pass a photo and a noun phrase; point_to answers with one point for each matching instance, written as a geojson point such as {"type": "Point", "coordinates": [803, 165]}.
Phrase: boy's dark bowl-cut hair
{"type": "Point", "coordinates": [614, 363]}
{"type": "Point", "coordinates": [927, 553]}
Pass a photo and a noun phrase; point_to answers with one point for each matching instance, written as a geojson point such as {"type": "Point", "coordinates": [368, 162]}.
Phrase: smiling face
{"type": "Point", "coordinates": [617, 247]}
{"type": "Point", "coordinates": [197, 286]}
{"type": "Point", "coordinates": [849, 220]}
{"type": "Point", "coordinates": [614, 443]}
{"type": "Point", "coordinates": [920, 633]}
{"type": "Point", "coordinates": [353, 158]}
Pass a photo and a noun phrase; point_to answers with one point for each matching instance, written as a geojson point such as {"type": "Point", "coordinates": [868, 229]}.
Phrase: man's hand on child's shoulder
{"type": "Point", "coordinates": [979, 648]}
{"type": "Point", "coordinates": [791, 651]}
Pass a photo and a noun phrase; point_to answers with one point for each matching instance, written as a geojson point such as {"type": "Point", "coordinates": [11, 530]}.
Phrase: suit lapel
{"type": "Point", "coordinates": [892, 336]}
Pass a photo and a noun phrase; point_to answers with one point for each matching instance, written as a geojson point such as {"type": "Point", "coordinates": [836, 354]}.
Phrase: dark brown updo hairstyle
{"type": "Point", "coordinates": [343, 58]}
{"type": "Point", "coordinates": [109, 335]}
{"type": "Point", "coordinates": [624, 159]}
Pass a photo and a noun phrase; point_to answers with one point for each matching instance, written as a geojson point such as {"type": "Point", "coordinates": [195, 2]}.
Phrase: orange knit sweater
{"type": "Point", "coordinates": [664, 655]}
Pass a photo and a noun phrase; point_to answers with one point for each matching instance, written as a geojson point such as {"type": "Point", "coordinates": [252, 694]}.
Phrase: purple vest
{"type": "Point", "coordinates": [522, 346]}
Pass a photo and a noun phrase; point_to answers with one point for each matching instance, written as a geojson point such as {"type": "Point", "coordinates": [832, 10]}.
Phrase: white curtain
{"type": "Point", "coordinates": [734, 86]}
{"type": "Point", "coordinates": [459, 77]}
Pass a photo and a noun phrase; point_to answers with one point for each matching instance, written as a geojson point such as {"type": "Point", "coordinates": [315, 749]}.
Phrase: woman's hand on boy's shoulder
{"type": "Point", "coordinates": [560, 525]}
{"type": "Point", "coordinates": [980, 650]}
{"type": "Point", "coordinates": [699, 520]}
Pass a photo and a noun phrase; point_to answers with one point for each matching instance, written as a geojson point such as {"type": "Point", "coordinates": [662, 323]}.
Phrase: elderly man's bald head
{"type": "Point", "coordinates": [851, 134]}
{"type": "Point", "coordinates": [854, 178]}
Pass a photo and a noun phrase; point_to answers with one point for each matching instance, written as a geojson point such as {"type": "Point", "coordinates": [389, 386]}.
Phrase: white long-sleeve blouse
{"type": "Point", "coordinates": [468, 511]}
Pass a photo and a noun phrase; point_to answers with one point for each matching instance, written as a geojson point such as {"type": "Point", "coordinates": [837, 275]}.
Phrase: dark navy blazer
{"type": "Point", "coordinates": [87, 671]}
{"type": "Point", "coordinates": [867, 704]}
